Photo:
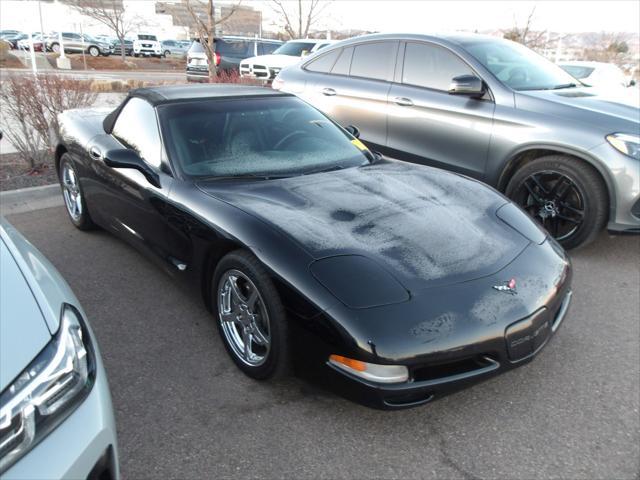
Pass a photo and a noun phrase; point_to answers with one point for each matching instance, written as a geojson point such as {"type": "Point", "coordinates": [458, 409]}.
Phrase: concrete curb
{"type": "Point", "coordinates": [30, 199]}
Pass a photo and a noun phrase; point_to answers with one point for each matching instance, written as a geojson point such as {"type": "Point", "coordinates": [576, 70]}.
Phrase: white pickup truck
{"type": "Point", "coordinates": [266, 67]}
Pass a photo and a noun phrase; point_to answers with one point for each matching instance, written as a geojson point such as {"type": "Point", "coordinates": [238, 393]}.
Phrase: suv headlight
{"type": "Point", "coordinates": [55, 382]}
{"type": "Point", "coordinates": [625, 143]}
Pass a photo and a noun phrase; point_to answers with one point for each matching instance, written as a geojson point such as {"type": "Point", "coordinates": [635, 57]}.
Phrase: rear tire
{"type": "Point", "coordinates": [73, 195]}
{"type": "Point", "coordinates": [564, 194]}
{"type": "Point", "coordinates": [55, 48]}
{"type": "Point", "coordinates": [262, 321]}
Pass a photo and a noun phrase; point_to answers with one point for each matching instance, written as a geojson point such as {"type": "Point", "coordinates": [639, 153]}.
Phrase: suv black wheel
{"type": "Point", "coordinates": [250, 316]}
{"type": "Point", "coordinates": [565, 195]}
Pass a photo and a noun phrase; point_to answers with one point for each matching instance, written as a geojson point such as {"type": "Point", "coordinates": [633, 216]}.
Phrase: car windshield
{"type": "Point", "coordinates": [294, 49]}
{"type": "Point", "coordinates": [519, 67]}
{"type": "Point", "coordinates": [258, 137]}
{"type": "Point", "coordinates": [147, 37]}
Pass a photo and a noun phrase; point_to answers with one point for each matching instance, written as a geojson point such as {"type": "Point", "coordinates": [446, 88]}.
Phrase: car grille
{"type": "Point", "coordinates": [256, 71]}
{"type": "Point", "coordinates": [456, 367]}
{"type": "Point", "coordinates": [147, 45]}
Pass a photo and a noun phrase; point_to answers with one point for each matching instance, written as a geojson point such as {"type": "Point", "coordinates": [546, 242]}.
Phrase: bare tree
{"type": "Point", "coordinates": [535, 40]}
{"type": "Point", "coordinates": [110, 13]}
{"type": "Point", "coordinates": [298, 21]}
{"type": "Point", "coordinates": [205, 28]}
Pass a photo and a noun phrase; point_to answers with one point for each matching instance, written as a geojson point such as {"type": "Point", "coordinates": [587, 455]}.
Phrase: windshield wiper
{"type": "Point", "coordinates": [332, 168]}
{"type": "Point", "coordinates": [564, 85]}
{"type": "Point", "coordinates": [247, 176]}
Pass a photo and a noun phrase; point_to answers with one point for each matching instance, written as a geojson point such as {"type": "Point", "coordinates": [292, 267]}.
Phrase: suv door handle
{"type": "Point", "coordinates": [329, 92]}
{"type": "Point", "coordinates": [403, 101]}
{"type": "Point", "coordinates": [95, 153]}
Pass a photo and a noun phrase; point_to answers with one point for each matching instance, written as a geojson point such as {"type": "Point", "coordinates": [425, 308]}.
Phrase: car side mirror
{"type": "Point", "coordinates": [632, 83]}
{"type": "Point", "coordinates": [127, 158]}
{"type": "Point", "coordinates": [353, 131]}
{"type": "Point", "coordinates": [467, 85]}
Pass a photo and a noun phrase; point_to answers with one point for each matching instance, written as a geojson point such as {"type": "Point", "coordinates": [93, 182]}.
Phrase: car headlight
{"type": "Point", "coordinates": [56, 381]}
{"type": "Point", "coordinates": [371, 371]}
{"type": "Point", "coordinates": [625, 143]}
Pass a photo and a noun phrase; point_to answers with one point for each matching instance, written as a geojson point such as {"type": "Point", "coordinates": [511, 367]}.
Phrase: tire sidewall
{"type": "Point", "coordinates": [94, 51]}
{"type": "Point", "coordinates": [277, 358]}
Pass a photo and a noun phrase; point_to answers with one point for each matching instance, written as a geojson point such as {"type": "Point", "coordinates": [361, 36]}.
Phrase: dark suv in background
{"type": "Point", "coordinates": [230, 51]}
{"type": "Point", "coordinates": [493, 110]}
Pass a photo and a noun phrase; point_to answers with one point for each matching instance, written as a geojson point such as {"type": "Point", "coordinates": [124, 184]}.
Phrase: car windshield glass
{"type": "Point", "coordinates": [147, 37]}
{"type": "Point", "coordinates": [519, 67]}
{"type": "Point", "coordinates": [294, 49]}
{"type": "Point", "coordinates": [258, 137]}
{"type": "Point", "coordinates": [577, 71]}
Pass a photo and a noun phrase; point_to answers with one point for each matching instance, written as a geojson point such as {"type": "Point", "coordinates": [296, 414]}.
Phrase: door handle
{"type": "Point", "coordinates": [95, 153]}
{"type": "Point", "coordinates": [403, 101]}
{"type": "Point", "coordinates": [329, 92]}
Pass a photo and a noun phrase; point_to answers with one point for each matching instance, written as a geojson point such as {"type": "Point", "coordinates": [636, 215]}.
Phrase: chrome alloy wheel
{"type": "Point", "coordinates": [243, 317]}
{"type": "Point", "coordinates": [71, 191]}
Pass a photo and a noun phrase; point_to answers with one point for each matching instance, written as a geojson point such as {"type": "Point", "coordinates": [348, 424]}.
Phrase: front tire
{"type": "Point", "coordinates": [73, 195]}
{"type": "Point", "coordinates": [250, 316]}
{"type": "Point", "coordinates": [565, 195]}
{"type": "Point", "coordinates": [94, 51]}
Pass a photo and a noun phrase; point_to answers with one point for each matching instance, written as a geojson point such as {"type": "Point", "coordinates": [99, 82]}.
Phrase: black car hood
{"type": "Point", "coordinates": [425, 226]}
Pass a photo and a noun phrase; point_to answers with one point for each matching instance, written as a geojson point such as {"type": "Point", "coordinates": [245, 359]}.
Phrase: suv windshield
{"type": "Point", "coordinates": [294, 49]}
{"type": "Point", "coordinates": [519, 67]}
{"type": "Point", "coordinates": [260, 137]}
{"type": "Point", "coordinates": [147, 37]}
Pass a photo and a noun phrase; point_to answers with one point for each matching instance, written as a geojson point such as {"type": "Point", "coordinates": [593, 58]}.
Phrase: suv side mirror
{"type": "Point", "coordinates": [353, 131]}
{"type": "Point", "coordinates": [126, 158]}
{"type": "Point", "coordinates": [468, 85]}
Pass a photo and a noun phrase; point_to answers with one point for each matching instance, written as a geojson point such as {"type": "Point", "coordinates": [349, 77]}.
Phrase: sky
{"type": "Point", "coordinates": [421, 15]}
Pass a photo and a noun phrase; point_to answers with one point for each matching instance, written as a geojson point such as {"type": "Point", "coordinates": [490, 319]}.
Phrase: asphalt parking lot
{"type": "Point", "coordinates": [185, 411]}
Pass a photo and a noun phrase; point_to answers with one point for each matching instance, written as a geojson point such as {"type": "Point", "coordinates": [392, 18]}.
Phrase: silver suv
{"type": "Point", "coordinates": [491, 109]}
{"type": "Point", "coordinates": [77, 43]}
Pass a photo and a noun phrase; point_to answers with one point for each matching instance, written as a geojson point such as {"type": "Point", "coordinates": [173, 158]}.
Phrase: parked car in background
{"type": "Point", "coordinates": [230, 51]}
{"type": "Point", "coordinates": [128, 47]}
{"type": "Point", "coordinates": [491, 109]}
{"type": "Point", "coordinates": [597, 74]}
{"type": "Point", "coordinates": [9, 33]}
{"type": "Point", "coordinates": [13, 40]}
{"type": "Point", "coordinates": [174, 47]}
{"type": "Point", "coordinates": [78, 43]}
{"type": "Point", "coordinates": [37, 40]}
{"type": "Point", "coordinates": [265, 66]}
{"type": "Point", "coordinates": [146, 45]}
{"type": "Point", "coordinates": [56, 416]}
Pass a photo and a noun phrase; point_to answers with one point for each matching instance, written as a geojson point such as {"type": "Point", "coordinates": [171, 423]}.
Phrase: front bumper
{"type": "Point", "coordinates": [624, 188]}
{"type": "Point", "coordinates": [431, 381]}
{"type": "Point", "coordinates": [82, 446]}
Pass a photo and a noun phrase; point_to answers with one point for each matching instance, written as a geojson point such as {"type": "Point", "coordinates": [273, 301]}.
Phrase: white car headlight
{"type": "Point", "coordinates": [625, 143]}
{"type": "Point", "coordinates": [57, 380]}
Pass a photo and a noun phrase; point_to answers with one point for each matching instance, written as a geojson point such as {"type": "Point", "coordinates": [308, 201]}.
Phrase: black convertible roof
{"type": "Point", "coordinates": [172, 93]}
{"type": "Point", "coordinates": [176, 93]}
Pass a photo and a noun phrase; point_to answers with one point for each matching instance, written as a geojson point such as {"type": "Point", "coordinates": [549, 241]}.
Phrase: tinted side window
{"type": "Point", "coordinates": [267, 48]}
{"type": "Point", "coordinates": [343, 64]}
{"type": "Point", "coordinates": [431, 66]}
{"type": "Point", "coordinates": [374, 60]}
{"type": "Point", "coordinates": [235, 48]}
{"type": "Point", "coordinates": [324, 63]}
{"type": "Point", "coordinates": [137, 128]}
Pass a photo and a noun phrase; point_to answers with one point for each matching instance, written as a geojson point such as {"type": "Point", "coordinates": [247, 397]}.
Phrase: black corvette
{"type": "Point", "coordinates": [392, 283]}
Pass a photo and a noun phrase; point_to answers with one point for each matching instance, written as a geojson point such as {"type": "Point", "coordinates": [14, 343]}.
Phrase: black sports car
{"type": "Point", "coordinates": [392, 283]}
